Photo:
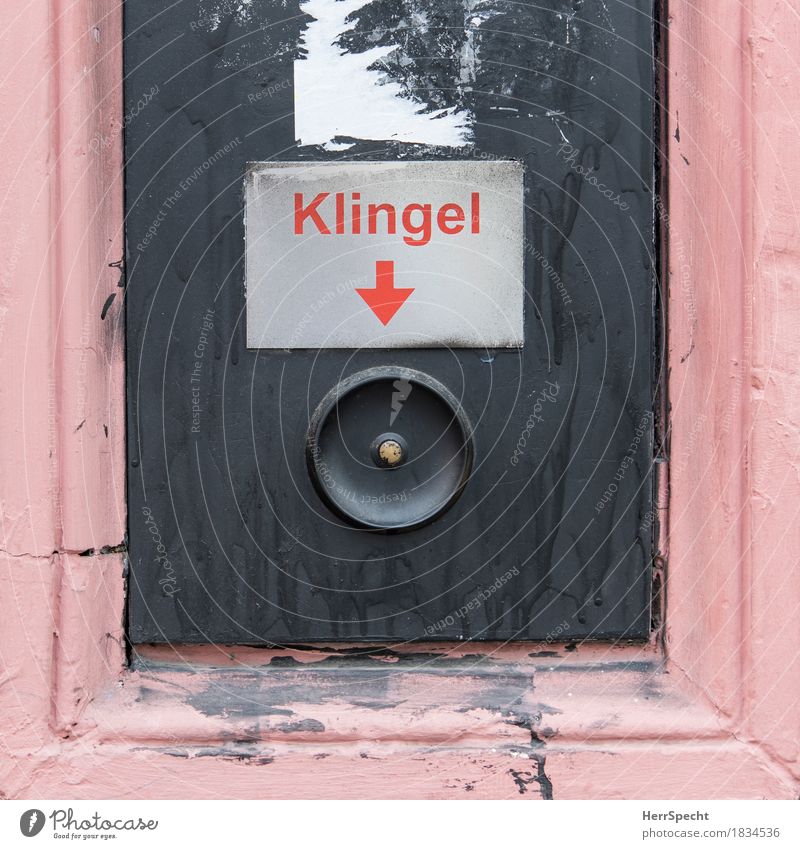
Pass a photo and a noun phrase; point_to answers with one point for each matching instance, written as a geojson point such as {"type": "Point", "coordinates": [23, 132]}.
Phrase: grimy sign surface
{"type": "Point", "coordinates": [384, 254]}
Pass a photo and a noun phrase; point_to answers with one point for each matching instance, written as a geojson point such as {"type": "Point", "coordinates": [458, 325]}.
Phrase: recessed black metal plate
{"type": "Point", "coordinates": [229, 539]}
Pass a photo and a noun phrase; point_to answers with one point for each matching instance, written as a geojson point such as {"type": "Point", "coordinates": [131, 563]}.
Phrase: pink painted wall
{"type": "Point", "coordinates": [706, 710]}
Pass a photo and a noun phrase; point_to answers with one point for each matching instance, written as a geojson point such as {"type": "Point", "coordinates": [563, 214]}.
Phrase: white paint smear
{"type": "Point", "coordinates": [210, 14]}
{"type": "Point", "coordinates": [337, 95]}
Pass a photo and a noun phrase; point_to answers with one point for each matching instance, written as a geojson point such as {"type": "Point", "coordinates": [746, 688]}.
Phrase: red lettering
{"type": "Point", "coordinates": [423, 229]}
{"type": "Point", "coordinates": [339, 213]}
{"type": "Point", "coordinates": [417, 219]}
{"type": "Point", "coordinates": [372, 217]}
{"type": "Point", "coordinates": [476, 212]}
{"type": "Point", "coordinates": [450, 218]}
{"type": "Point", "coordinates": [310, 211]}
{"type": "Point", "coordinates": [356, 213]}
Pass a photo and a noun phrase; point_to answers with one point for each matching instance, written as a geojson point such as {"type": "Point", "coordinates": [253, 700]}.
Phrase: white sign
{"type": "Point", "coordinates": [384, 254]}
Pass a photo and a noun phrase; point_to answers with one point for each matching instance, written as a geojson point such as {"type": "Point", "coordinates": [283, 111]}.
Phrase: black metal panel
{"type": "Point", "coordinates": [551, 537]}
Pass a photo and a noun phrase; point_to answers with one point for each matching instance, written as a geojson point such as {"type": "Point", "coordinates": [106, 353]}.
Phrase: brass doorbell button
{"type": "Point", "coordinates": [389, 451]}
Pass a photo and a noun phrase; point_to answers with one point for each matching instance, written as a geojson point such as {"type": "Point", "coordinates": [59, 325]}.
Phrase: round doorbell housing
{"type": "Point", "coordinates": [389, 449]}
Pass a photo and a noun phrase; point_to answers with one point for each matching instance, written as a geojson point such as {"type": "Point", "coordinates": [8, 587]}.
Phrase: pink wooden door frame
{"type": "Point", "coordinates": [707, 710]}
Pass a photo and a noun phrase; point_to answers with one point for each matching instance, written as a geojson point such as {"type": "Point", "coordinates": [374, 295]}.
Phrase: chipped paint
{"type": "Point", "coordinates": [210, 13]}
{"type": "Point", "coordinates": [339, 95]}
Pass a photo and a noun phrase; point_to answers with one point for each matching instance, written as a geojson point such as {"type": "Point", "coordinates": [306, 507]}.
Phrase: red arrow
{"type": "Point", "coordinates": [384, 300]}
